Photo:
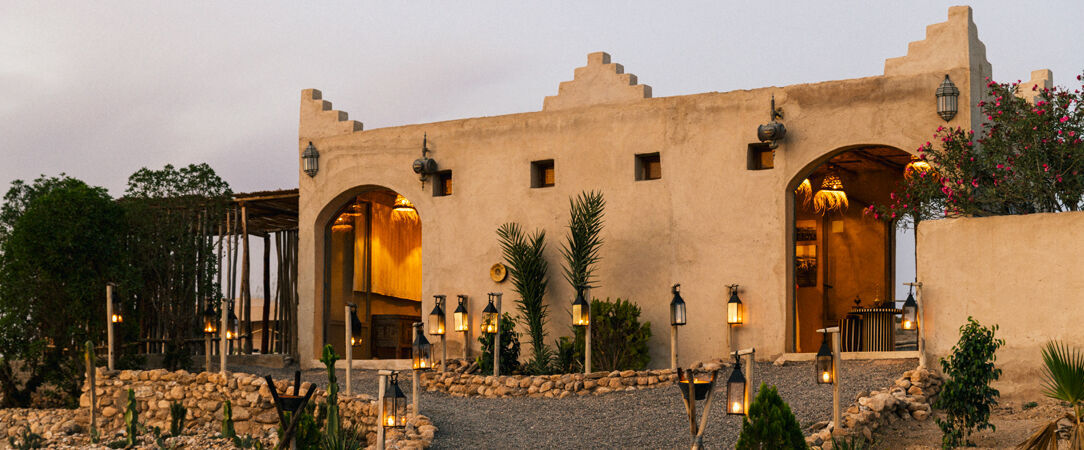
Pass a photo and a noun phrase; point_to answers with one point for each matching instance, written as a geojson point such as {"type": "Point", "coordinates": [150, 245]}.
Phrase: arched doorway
{"type": "Point", "coordinates": [373, 259]}
{"type": "Point", "coordinates": [843, 269]}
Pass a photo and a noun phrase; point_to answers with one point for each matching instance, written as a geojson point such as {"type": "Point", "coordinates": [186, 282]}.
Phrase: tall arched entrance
{"type": "Point", "coordinates": [843, 269]}
{"type": "Point", "coordinates": [373, 259]}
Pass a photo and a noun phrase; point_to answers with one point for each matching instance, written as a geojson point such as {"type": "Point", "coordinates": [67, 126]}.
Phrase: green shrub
{"type": "Point", "coordinates": [27, 440]}
{"type": "Point", "coordinates": [177, 412]}
{"type": "Point", "coordinates": [967, 397]}
{"type": "Point", "coordinates": [618, 339]}
{"type": "Point", "coordinates": [509, 348]}
{"type": "Point", "coordinates": [565, 357]}
{"type": "Point", "coordinates": [307, 434]}
{"type": "Point", "coordinates": [770, 424]}
{"type": "Point", "coordinates": [227, 420]}
{"type": "Point", "coordinates": [852, 442]}
{"type": "Point", "coordinates": [131, 420]}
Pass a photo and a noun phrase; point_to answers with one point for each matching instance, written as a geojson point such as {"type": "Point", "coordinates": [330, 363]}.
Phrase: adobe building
{"type": "Point", "coordinates": [692, 197]}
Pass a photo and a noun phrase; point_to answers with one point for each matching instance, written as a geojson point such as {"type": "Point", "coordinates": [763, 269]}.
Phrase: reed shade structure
{"type": "Point", "coordinates": [461, 318]}
{"type": "Point", "coordinates": [735, 390]}
{"type": "Point", "coordinates": [824, 363]}
{"type": "Point", "coordinates": [581, 310]}
{"type": "Point", "coordinates": [395, 405]}
{"type": "Point", "coordinates": [909, 312]}
{"type": "Point", "coordinates": [402, 205]}
{"type": "Point", "coordinates": [918, 166]}
{"type": "Point", "coordinates": [345, 222]}
{"type": "Point", "coordinates": [735, 311]}
{"type": "Point", "coordinates": [878, 328]}
{"type": "Point", "coordinates": [804, 193]}
{"type": "Point", "coordinates": [831, 196]}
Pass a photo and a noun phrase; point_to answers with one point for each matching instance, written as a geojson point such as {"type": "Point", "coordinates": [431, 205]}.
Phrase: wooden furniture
{"type": "Point", "coordinates": [878, 328]}
{"type": "Point", "coordinates": [392, 335]}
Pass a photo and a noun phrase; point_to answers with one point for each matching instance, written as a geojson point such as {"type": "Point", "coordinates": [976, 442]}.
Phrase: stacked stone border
{"type": "Point", "coordinates": [909, 399]}
{"type": "Point", "coordinates": [203, 394]}
{"type": "Point", "coordinates": [461, 380]}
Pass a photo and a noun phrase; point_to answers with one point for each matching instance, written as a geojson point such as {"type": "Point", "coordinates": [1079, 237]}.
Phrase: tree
{"type": "Point", "coordinates": [770, 424]}
{"type": "Point", "coordinates": [967, 397]}
{"type": "Point", "coordinates": [1026, 158]}
{"type": "Point", "coordinates": [172, 215]}
{"type": "Point", "coordinates": [61, 244]}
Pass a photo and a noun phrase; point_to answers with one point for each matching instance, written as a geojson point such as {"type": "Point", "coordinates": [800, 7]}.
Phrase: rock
{"type": "Point", "coordinates": [920, 414]}
{"type": "Point", "coordinates": [109, 411]}
{"type": "Point", "coordinates": [780, 362]}
{"type": "Point", "coordinates": [511, 382]}
{"type": "Point", "coordinates": [903, 383]}
{"type": "Point", "coordinates": [525, 383]}
{"type": "Point", "coordinates": [589, 384]}
{"type": "Point", "coordinates": [545, 386]}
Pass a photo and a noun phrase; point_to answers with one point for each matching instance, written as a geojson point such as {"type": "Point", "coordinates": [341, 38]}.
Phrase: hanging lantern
{"type": "Point", "coordinates": [118, 309]}
{"type": "Point", "coordinates": [421, 352]}
{"type": "Point", "coordinates": [460, 316]}
{"type": "Point", "coordinates": [831, 196]}
{"type": "Point", "coordinates": [210, 322]}
{"type": "Point", "coordinates": [824, 363]}
{"type": "Point", "coordinates": [436, 317]}
{"type": "Point", "coordinates": [581, 310]}
{"type": "Point", "coordinates": [231, 325]}
{"type": "Point", "coordinates": [355, 326]}
{"type": "Point", "coordinates": [402, 205]}
{"type": "Point", "coordinates": [947, 99]}
{"type": "Point", "coordinates": [344, 223]}
{"type": "Point", "coordinates": [735, 311]}
{"type": "Point", "coordinates": [910, 313]}
{"type": "Point", "coordinates": [490, 317]}
{"type": "Point", "coordinates": [677, 307]}
{"type": "Point", "coordinates": [918, 166]}
{"type": "Point", "coordinates": [804, 193]}
{"type": "Point", "coordinates": [735, 390]}
{"type": "Point", "coordinates": [395, 404]}
{"type": "Point", "coordinates": [310, 160]}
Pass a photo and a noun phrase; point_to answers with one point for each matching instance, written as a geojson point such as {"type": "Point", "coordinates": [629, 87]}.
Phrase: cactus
{"type": "Point", "coordinates": [131, 420]}
{"type": "Point", "coordinates": [177, 411]}
{"type": "Point", "coordinates": [333, 423]}
{"type": "Point", "coordinates": [227, 420]}
{"type": "Point", "coordinates": [92, 392]}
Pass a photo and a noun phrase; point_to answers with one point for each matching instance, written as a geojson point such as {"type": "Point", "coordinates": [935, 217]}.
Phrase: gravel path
{"type": "Point", "coordinates": [650, 418]}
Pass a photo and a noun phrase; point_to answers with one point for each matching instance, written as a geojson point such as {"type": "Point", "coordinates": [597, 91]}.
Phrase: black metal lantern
{"type": "Point", "coordinates": [118, 309]}
{"type": "Point", "coordinates": [677, 307]}
{"type": "Point", "coordinates": [460, 316]}
{"type": "Point", "coordinates": [735, 390]}
{"type": "Point", "coordinates": [436, 317]}
{"type": "Point", "coordinates": [947, 99]}
{"type": "Point", "coordinates": [825, 363]}
{"type": "Point", "coordinates": [490, 317]}
{"type": "Point", "coordinates": [210, 320]}
{"type": "Point", "coordinates": [735, 311]}
{"type": "Point", "coordinates": [310, 160]}
{"type": "Point", "coordinates": [231, 325]}
{"type": "Point", "coordinates": [395, 405]}
{"type": "Point", "coordinates": [690, 384]}
{"type": "Point", "coordinates": [421, 351]}
{"type": "Point", "coordinates": [910, 313]}
{"type": "Point", "coordinates": [355, 326]}
{"type": "Point", "coordinates": [772, 132]}
{"type": "Point", "coordinates": [581, 310]}
{"type": "Point", "coordinates": [425, 165]}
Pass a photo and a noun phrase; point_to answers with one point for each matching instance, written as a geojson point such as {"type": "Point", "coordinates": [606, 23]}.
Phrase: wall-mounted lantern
{"type": "Point", "coordinates": [310, 160]}
{"type": "Point", "coordinates": [735, 390]}
{"type": "Point", "coordinates": [461, 317]}
{"type": "Point", "coordinates": [947, 99]}
{"type": "Point", "coordinates": [395, 410]}
{"type": "Point", "coordinates": [774, 131]}
{"type": "Point", "coordinates": [825, 363]}
{"type": "Point", "coordinates": [909, 321]}
{"type": "Point", "coordinates": [436, 317]}
{"type": "Point", "coordinates": [424, 166]}
{"type": "Point", "coordinates": [421, 358]}
{"type": "Point", "coordinates": [735, 311]}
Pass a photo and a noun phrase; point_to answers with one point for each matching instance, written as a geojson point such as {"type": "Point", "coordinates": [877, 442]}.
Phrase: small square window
{"type": "Point", "coordinates": [648, 167]}
{"type": "Point", "coordinates": [543, 174]}
{"type": "Point", "coordinates": [442, 183]}
{"type": "Point", "coordinates": [761, 157]}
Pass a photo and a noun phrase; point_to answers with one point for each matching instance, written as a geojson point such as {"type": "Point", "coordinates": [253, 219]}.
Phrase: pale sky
{"type": "Point", "coordinates": [100, 89]}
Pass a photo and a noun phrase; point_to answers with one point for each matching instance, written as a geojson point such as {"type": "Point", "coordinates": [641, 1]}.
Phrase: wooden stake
{"type": "Point", "coordinates": [109, 321]}
{"type": "Point", "coordinates": [673, 347]}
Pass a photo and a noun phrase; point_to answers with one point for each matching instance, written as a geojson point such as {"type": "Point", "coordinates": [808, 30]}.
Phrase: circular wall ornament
{"type": "Point", "coordinates": [498, 272]}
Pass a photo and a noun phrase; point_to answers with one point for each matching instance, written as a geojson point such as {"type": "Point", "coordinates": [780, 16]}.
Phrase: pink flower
{"type": "Point", "coordinates": [974, 182]}
{"type": "Point", "coordinates": [1063, 119]}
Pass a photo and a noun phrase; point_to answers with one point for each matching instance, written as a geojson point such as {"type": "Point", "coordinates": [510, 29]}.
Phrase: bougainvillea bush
{"type": "Point", "coordinates": [1026, 158]}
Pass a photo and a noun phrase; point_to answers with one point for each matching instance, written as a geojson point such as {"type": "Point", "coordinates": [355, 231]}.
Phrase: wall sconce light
{"type": "Point", "coordinates": [735, 311]}
{"type": "Point", "coordinates": [425, 166]}
{"type": "Point", "coordinates": [947, 99]}
{"type": "Point", "coordinates": [772, 132]}
{"type": "Point", "coordinates": [310, 160]}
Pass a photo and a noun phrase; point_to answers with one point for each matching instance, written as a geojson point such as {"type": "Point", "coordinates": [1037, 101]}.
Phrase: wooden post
{"type": "Point", "coordinates": [381, 390]}
{"type": "Point", "coordinates": [443, 350]}
{"type": "Point", "coordinates": [265, 336]}
{"type": "Point", "coordinates": [246, 288]}
{"type": "Point", "coordinates": [349, 347]}
{"type": "Point", "coordinates": [223, 350]}
{"type": "Point", "coordinates": [921, 338]}
{"type": "Point", "coordinates": [207, 352]}
{"type": "Point", "coordinates": [673, 347]}
{"type": "Point", "coordinates": [587, 336]}
{"type": "Point", "coordinates": [414, 374]}
{"type": "Point", "coordinates": [497, 340]}
{"type": "Point", "coordinates": [836, 359]}
{"type": "Point", "coordinates": [109, 321]}
{"type": "Point", "coordinates": [92, 389]}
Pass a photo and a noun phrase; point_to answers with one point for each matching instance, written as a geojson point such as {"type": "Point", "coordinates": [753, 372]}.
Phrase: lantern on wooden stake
{"type": "Point", "coordinates": [395, 405]}
{"type": "Point", "coordinates": [677, 307]}
{"type": "Point", "coordinates": [735, 311]}
{"type": "Point", "coordinates": [831, 196]}
{"type": "Point", "coordinates": [581, 310]}
{"type": "Point", "coordinates": [735, 390]}
{"type": "Point", "coordinates": [436, 317]}
{"type": "Point", "coordinates": [824, 363]}
{"type": "Point", "coordinates": [355, 326]}
{"type": "Point", "coordinates": [118, 309]}
{"type": "Point", "coordinates": [231, 324]}
{"type": "Point", "coordinates": [422, 357]}
{"type": "Point", "coordinates": [490, 317]}
{"type": "Point", "coordinates": [909, 321]}
{"type": "Point", "coordinates": [210, 320]}
{"type": "Point", "coordinates": [460, 317]}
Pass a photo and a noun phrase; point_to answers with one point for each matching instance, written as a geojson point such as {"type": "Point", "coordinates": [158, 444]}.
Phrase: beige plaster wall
{"type": "Point", "coordinates": [707, 223]}
{"type": "Point", "coordinates": [1023, 273]}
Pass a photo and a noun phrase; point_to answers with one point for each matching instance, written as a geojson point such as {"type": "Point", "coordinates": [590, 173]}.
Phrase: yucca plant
{"type": "Point", "coordinates": [1063, 379]}
{"type": "Point", "coordinates": [527, 267]}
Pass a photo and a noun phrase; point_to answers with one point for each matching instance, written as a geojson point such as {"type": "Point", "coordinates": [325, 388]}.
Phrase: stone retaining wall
{"type": "Point", "coordinates": [459, 381]}
{"type": "Point", "coordinates": [204, 393]}
{"type": "Point", "coordinates": [908, 399]}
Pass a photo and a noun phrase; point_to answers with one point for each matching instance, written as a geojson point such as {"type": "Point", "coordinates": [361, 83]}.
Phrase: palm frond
{"type": "Point", "coordinates": [583, 241]}
{"type": "Point", "coordinates": [527, 267]}
{"type": "Point", "coordinates": [1063, 373]}
{"type": "Point", "coordinates": [1045, 438]}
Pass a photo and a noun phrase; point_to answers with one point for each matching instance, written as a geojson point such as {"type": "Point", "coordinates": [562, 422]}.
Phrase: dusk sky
{"type": "Point", "coordinates": [99, 89]}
